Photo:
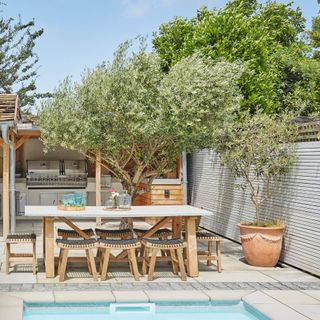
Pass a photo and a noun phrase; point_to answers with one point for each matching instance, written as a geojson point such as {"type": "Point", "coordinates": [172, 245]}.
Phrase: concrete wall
{"type": "Point", "coordinates": [297, 202]}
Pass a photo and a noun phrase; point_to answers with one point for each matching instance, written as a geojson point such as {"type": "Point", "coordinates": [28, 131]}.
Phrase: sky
{"type": "Point", "coordinates": [80, 34]}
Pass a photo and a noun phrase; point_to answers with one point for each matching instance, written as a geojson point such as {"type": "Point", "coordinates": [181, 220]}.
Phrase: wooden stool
{"type": "Point", "coordinates": [68, 233]}
{"type": "Point", "coordinates": [66, 244]}
{"type": "Point", "coordinates": [128, 245]}
{"type": "Point", "coordinates": [174, 246]}
{"type": "Point", "coordinates": [112, 234]}
{"type": "Point", "coordinates": [161, 234]}
{"type": "Point", "coordinates": [21, 258]}
{"type": "Point", "coordinates": [208, 255]}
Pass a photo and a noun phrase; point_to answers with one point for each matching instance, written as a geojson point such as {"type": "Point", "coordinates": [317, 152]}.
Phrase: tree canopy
{"type": "Point", "coordinates": [18, 61]}
{"type": "Point", "coordinates": [269, 38]}
{"type": "Point", "coordinates": [257, 149]}
{"type": "Point", "coordinates": [139, 117]}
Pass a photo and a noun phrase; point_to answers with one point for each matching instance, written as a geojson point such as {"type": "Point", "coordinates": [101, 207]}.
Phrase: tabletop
{"type": "Point", "coordinates": [134, 212]}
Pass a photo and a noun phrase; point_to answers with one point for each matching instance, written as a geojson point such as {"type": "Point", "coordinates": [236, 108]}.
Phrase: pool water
{"type": "Point", "coordinates": [226, 310]}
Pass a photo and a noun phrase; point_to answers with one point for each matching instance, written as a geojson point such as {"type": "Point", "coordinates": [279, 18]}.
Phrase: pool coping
{"type": "Point", "coordinates": [11, 303]}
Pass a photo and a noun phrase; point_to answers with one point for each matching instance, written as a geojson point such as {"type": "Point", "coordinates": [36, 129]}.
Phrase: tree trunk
{"type": "Point", "coordinates": [127, 223]}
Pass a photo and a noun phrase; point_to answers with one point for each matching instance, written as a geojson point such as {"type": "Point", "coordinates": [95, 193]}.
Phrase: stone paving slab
{"type": "Point", "coordinates": [83, 296]}
{"type": "Point", "coordinates": [216, 295]}
{"type": "Point", "coordinates": [310, 311]}
{"type": "Point", "coordinates": [271, 307]}
{"type": "Point", "coordinates": [291, 297]}
{"type": "Point", "coordinates": [185, 295]}
{"type": "Point", "coordinates": [10, 307]}
{"type": "Point", "coordinates": [16, 277]}
{"type": "Point", "coordinates": [313, 293]}
{"type": "Point", "coordinates": [33, 296]}
{"type": "Point", "coordinates": [290, 275]}
{"type": "Point", "coordinates": [130, 296]}
{"type": "Point", "coordinates": [234, 276]}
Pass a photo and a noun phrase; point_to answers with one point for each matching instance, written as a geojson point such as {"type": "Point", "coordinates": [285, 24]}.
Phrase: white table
{"type": "Point", "coordinates": [167, 213]}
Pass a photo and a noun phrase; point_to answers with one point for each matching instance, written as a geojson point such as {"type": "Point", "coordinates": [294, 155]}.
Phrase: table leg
{"type": "Point", "coordinates": [49, 246]}
{"type": "Point", "coordinates": [43, 241]}
{"type": "Point", "coordinates": [192, 257]}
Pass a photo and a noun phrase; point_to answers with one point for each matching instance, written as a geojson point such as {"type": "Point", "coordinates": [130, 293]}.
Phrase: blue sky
{"type": "Point", "coordinates": [83, 33]}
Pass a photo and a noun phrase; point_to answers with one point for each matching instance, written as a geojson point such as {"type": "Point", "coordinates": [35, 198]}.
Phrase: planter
{"type": "Point", "coordinates": [261, 245]}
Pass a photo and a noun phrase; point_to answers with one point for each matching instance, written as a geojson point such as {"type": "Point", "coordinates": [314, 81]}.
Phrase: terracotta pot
{"type": "Point", "coordinates": [261, 245]}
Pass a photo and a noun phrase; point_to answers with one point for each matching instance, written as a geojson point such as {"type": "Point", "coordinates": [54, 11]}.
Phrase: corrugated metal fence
{"type": "Point", "coordinates": [296, 201]}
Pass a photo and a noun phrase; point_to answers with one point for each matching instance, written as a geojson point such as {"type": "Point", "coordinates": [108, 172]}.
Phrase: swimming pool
{"type": "Point", "coordinates": [224, 310]}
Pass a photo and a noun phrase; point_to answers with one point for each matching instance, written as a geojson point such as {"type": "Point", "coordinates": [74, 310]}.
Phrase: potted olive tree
{"type": "Point", "coordinates": [258, 150]}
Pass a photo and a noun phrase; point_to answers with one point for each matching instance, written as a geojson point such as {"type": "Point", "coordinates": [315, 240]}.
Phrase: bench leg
{"type": "Point", "coordinates": [63, 264]}
{"type": "Point", "coordinates": [34, 252]}
{"type": "Point", "coordinates": [218, 253]}
{"type": "Point", "coordinates": [145, 261]}
{"type": "Point", "coordinates": [88, 261]}
{"type": "Point", "coordinates": [209, 261]}
{"type": "Point", "coordinates": [174, 261]}
{"type": "Point", "coordinates": [8, 254]}
{"type": "Point", "coordinates": [105, 262]}
{"type": "Point", "coordinates": [134, 264]}
{"type": "Point", "coordinates": [181, 264]}
{"type": "Point", "coordinates": [154, 252]}
{"type": "Point", "coordinates": [92, 265]}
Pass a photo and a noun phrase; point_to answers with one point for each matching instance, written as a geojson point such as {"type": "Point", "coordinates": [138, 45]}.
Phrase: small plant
{"type": "Point", "coordinates": [259, 150]}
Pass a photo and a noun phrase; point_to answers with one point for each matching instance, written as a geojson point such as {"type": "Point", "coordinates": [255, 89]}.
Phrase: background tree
{"type": "Point", "coordinates": [267, 37]}
{"type": "Point", "coordinates": [258, 150]}
{"type": "Point", "coordinates": [18, 62]}
{"type": "Point", "coordinates": [138, 117]}
{"type": "Point", "coordinates": [315, 36]}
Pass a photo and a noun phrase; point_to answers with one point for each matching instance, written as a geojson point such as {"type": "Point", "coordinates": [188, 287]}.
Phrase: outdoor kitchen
{"type": "Point", "coordinates": [43, 178]}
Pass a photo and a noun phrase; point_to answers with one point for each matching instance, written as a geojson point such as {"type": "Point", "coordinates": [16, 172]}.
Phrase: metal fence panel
{"type": "Point", "coordinates": [296, 201]}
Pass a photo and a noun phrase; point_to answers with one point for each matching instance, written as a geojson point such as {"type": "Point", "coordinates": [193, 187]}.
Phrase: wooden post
{"type": "Point", "coordinates": [98, 184]}
{"type": "Point", "coordinates": [5, 191]}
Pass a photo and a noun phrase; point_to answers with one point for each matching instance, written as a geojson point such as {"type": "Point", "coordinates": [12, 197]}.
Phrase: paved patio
{"type": "Point", "coordinates": [285, 285]}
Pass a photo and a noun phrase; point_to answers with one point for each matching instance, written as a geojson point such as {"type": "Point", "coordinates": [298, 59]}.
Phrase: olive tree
{"type": "Point", "coordinates": [258, 150]}
{"type": "Point", "coordinates": [139, 118]}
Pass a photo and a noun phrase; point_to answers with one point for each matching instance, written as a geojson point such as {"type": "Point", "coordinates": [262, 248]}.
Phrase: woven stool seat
{"type": "Point", "coordinates": [67, 233]}
{"type": "Point", "coordinates": [203, 235]}
{"type": "Point", "coordinates": [21, 237]}
{"type": "Point", "coordinates": [76, 243]}
{"type": "Point", "coordinates": [109, 233]}
{"type": "Point", "coordinates": [164, 232]}
{"type": "Point", "coordinates": [119, 243]}
{"type": "Point", "coordinates": [164, 244]}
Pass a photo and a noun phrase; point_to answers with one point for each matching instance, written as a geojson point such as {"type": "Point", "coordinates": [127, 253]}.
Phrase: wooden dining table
{"type": "Point", "coordinates": [168, 214]}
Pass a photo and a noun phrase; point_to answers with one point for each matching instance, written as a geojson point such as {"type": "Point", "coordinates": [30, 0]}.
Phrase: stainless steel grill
{"type": "Point", "coordinates": [57, 174]}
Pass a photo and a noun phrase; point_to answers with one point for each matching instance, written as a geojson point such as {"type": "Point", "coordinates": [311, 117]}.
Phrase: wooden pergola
{"type": "Point", "coordinates": [10, 114]}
